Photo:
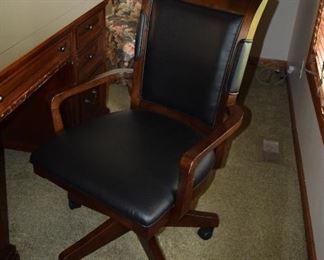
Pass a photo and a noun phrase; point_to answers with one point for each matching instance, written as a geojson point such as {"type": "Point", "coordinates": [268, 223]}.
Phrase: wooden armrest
{"type": "Point", "coordinates": [220, 134]}
{"type": "Point", "coordinates": [106, 77]}
{"type": "Point", "coordinates": [193, 156]}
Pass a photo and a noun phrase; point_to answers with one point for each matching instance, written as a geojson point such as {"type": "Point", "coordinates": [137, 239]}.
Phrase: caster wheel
{"type": "Point", "coordinates": [74, 205]}
{"type": "Point", "coordinates": [205, 233]}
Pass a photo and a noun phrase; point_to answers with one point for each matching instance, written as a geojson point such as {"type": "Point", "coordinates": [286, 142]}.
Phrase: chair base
{"type": "Point", "coordinates": [195, 218]}
{"type": "Point", "coordinates": [152, 248]}
{"type": "Point", "coordinates": [73, 203]}
{"type": "Point", "coordinates": [205, 233]}
{"type": "Point", "coordinates": [9, 252]}
{"type": "Point", "coordinates": [111, 230]}
{"type": "Point", "coordinates": [102, 235]}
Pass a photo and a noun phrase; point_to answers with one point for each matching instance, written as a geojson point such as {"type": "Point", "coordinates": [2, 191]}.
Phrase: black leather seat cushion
{"type": "Point", "coordinates": [127, 160]}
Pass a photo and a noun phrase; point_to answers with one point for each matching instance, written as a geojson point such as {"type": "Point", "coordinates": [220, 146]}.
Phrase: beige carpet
{"type": "Point", "coordinates": [258, 202]}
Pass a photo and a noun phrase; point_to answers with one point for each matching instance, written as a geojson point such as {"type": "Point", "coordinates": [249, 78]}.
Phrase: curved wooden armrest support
{"type": "Point", "coordinates": [193, 156]}
{"type": "Point", "coordinates": [106, 77]}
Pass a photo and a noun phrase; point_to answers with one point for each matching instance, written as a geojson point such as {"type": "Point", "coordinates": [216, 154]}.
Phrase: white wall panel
{"type": "Point", "coordinates": [312, 147]}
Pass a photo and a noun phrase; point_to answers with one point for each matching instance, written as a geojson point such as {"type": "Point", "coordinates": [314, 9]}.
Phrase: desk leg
{"type": "Point", "coordinates": [7, 251]}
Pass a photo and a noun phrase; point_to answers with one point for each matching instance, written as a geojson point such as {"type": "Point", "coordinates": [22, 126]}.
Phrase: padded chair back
{"type": "Point", "coordinates": [190, 54]}
{"type": "Point", "coordinates": [189, 48]}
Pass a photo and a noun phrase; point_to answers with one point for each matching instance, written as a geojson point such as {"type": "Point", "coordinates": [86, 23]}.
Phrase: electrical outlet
{"type": "Point", "coordinates": [290, 69]}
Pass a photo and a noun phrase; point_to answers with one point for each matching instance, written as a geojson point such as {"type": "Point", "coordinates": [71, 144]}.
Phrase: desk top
{"type": "Point", "coordinates": [24, 24]}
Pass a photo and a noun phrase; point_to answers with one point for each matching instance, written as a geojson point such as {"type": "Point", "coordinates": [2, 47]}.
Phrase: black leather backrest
{"type": "Point", "coordinates": [187, 54]}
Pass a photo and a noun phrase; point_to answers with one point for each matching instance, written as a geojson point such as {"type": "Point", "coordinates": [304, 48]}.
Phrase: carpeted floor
{"type": "Point", "coordinates": [258, 202]}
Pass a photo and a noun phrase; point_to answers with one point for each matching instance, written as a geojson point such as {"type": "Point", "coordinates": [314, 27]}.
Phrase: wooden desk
{"type": "Point", "coordinates": [45, 45]}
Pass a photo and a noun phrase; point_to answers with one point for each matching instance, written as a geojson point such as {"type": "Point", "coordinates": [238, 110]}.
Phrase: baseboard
{"type": "Point", "coordinates": [271, 63]}
{"type": "Point", "coordinates": [302, 185]}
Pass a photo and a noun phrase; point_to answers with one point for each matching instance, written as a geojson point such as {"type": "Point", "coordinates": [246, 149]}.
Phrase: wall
{"type": "Point", "coordinates": [275, 31]}
{"type": "Point", "coordinates": [312, 147]}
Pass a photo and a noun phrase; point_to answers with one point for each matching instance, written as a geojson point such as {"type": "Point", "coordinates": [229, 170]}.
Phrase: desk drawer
{"type": "Point", "coordinates": [93, 102]}
{"type": "Point", "coordinates": [87, 31]}
{"type": "Point", "coordinates": [89, 60]}
{"type": "Point", "coordinates": [28, 74]}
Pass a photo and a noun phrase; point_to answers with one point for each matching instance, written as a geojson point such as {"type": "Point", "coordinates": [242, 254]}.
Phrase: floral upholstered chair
{"type": "Point", "coordinates": [121, 25]}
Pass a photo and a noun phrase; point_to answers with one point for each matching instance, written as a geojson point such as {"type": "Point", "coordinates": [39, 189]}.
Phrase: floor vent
{"type": "Point", "coordinates": [270, 151]}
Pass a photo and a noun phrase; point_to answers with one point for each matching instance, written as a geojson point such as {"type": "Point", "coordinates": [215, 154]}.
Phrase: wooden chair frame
{"type": "Point", "coordinates": [225, 125]}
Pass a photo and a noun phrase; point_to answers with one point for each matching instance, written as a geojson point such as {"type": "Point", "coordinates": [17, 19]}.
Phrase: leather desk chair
{"type": "Point", "coordinates": [145, 168]}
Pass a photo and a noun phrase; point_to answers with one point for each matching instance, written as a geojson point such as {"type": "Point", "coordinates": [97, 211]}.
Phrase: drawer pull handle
{"type": "Point", "coordinates": [92, 99]}
{"type": "Point", "coordinates": [87, 101]}
{"type": "Point", "coordinates": [61, 49]}
{"type": "Point", "coordinates": [1, 98]}
{"type": "Point", "coordinates": [91, 56]}
{"type": "Point", "coordinates": [90, 27]}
